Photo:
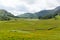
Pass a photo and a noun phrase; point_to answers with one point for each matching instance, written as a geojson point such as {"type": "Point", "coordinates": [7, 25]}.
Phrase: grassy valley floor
{"type": "Point", "coordinates": [25, 29]}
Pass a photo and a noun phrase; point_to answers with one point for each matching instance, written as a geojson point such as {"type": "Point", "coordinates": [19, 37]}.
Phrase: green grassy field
{"type": "Point", "coordinates": [28, 29]}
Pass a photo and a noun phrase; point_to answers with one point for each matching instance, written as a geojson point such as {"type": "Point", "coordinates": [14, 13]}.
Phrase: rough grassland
{"type": "Point", "coordinates": [30, 30]}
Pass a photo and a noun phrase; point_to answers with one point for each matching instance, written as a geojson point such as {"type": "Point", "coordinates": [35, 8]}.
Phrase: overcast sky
{"type": "Point", "coordinates": [17, 7]}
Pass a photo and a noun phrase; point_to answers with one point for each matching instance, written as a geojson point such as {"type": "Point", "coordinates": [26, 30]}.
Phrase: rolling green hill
{"type": "Point", "coordinates": [28, 15]}
{"type": "Point", "coordinates": [4, 15]}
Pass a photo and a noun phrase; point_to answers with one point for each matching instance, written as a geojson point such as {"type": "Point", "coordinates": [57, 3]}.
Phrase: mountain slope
{"type": "Point", "coordinates": [45, 14]}
{"type": "Point", "coordinates": [28, 15]}
{"type": "Point", "coordinates": [49, 13]}
{"type": "Point", "coordinates": [4, 15]}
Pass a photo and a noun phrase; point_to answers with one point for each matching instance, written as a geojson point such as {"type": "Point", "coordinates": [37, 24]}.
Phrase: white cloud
{"type": "Point", "coordinates": [9, 3]}
{"type": "Point", "coordinates": [21, 6]}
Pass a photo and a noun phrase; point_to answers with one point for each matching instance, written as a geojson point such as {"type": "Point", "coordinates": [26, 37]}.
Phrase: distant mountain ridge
{"type": "Point", "coordinates": [28, 15]}
{"type": "Point", "coordinates": [42, 14]}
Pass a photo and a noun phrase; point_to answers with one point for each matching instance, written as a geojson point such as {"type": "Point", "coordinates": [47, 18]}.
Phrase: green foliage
{"type": "Point", "coordinates": [4, 18]}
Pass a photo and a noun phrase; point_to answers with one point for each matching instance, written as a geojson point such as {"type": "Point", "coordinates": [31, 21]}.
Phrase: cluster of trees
{"type": "Point", "coordinates": [48, 16]}
{"type": "Point", "coordinates": [5, 18]}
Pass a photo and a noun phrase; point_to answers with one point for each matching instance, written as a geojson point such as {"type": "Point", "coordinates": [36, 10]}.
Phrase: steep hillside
{"type": "Point", "coordinates": [49, 13]}
{"type": "Point", "coordinates": [4, 15]}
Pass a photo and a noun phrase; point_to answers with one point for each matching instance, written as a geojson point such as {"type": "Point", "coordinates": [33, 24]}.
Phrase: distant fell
{"type": "Point", "coordinates": [43, 14]}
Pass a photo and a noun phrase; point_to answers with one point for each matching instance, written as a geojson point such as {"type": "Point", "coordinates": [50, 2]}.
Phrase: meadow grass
{"type": "Point", "coordinates": [27, 29]}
